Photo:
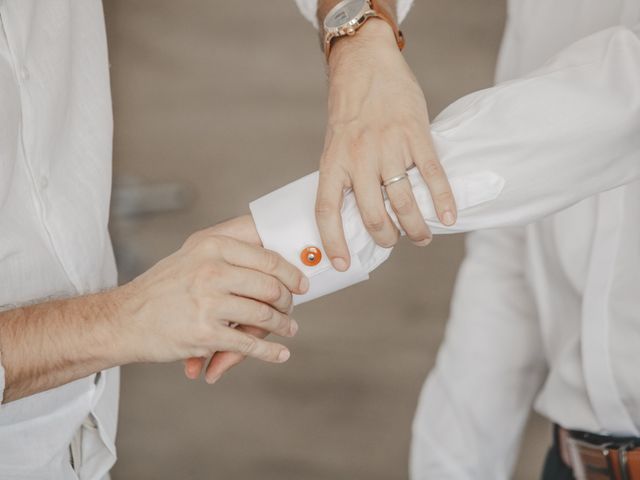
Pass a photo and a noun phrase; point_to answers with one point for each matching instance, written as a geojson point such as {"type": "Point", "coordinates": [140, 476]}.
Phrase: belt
{"type": "Point", "coordinates": [599, 457]}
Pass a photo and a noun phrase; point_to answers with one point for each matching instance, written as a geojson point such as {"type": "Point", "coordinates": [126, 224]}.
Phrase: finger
{"type": "Point", "coordinates": [406, 208]}
{"type": "Point", "coordinates": [252, 346]}
{"type": "Point", "coordinates": [268, 262]}
{"type": "Point", "coordinates": [328, 205]}
{"type": "Point", "coordinates": [222, 362]}
{"type": "Point", "coordinates": [368, 192]}
{"type": "Point", "coordinates": [245, 311]}
{"type": "Point", "coordinates": [259, 286]}
{"type": "Point", "coordinates": [193, 366]}
{"type": "Point", "coordinates": [426, 159]}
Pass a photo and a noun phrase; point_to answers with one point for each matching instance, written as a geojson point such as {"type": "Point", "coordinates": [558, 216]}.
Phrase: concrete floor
{"type": "Point", "coordinates": [228, 98]}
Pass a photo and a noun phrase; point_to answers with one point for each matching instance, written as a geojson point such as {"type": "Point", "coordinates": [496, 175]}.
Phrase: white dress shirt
{"type": "Point", "coordinates": [547, 304]}
{"type": "Point", "coordinates": [55, 181]}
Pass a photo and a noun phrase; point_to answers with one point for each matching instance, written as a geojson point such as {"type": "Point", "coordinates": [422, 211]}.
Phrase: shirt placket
{"type": "Point", "coordinates": [37, 168]}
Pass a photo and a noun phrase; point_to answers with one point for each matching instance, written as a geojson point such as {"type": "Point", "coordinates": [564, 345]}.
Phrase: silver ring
{"type": "Point", "coordinates": [395, 179]}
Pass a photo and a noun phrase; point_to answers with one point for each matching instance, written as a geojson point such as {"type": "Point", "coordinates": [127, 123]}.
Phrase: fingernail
{"type": "Point", "coordinates": [339, 264]}
{"type": "Point", "coordinates": [293, 329]}
{"type": "Point", "coordinates": [284, 355]}
{"type": "Point", "coordinates": [212, 380]}
{"type": "Point", "coordinates": [448, 218]}
{"type": "Point", "coordinates": [304, 284]}
{"type": "Point", "coordinates": [423, 243]}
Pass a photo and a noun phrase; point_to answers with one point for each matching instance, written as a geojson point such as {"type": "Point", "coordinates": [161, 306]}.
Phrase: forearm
{"type": "Point", "coordinates": [49, 344]}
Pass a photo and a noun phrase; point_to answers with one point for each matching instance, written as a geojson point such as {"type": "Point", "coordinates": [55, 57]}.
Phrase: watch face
{"type": "Point", "coordinates": [344, 12]}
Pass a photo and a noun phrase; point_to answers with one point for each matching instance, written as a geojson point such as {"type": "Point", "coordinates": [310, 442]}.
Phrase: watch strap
{"type": "Point", "coordinates": [389, 16]}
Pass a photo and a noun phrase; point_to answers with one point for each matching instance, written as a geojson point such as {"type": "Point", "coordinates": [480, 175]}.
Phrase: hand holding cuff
{"type": "Point", "coordinates": [285, 220]}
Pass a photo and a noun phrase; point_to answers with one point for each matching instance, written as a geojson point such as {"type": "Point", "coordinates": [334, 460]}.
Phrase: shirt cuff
{"type": "Point", "coordinates": [285, 220]}
{"type": "Point", "coordinates": [309, 9]}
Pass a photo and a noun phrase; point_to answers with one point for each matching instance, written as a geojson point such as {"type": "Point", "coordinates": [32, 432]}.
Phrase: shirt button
{"type": "Point", "coordinates": [24, 74]}
{"type": "Point", "coordinates": [44, 182]}
{"type": "Point", "coordinates": [311, 256]}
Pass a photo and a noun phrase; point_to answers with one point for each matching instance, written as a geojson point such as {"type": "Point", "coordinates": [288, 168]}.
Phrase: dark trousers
{"type": "Point", "coordinates": [554, 467]}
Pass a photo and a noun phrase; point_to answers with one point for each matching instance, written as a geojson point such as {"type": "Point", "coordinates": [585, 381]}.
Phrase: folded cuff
{"type": "Point", "coordinates": [285, 220]}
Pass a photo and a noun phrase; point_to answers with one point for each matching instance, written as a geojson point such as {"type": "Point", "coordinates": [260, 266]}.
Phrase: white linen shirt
{"type": "Point", "coordinates": [55, 181]}
{"type": "Point", "coordinates": [547, 303]}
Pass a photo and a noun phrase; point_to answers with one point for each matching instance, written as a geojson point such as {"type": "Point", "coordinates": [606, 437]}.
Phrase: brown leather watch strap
{"type": "Point", "coordinates": [389, 16]}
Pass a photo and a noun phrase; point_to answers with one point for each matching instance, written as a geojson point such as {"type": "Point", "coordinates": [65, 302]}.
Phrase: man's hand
{"type": "Point", "coordinates": [242, 228]}
{"type": "Point", "coordinates": [185, 305]}
{"type": "Point", "coordinates": [378, 126]}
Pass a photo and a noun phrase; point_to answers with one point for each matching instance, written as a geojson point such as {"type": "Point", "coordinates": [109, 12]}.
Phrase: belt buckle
{"type": "Point", "coordinates": [591, 462]}
{"type": "Point", "coordinates": [622, 459]}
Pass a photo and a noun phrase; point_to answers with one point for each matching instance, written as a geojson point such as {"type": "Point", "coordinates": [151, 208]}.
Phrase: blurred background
{"type": "Point", "coordinates": [217, 102]}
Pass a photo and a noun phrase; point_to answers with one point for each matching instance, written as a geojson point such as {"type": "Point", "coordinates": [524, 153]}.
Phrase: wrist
{"type": "Point", "coordinates": [120, 323]}
{"type": "Point", "coordinates": [375, 37]}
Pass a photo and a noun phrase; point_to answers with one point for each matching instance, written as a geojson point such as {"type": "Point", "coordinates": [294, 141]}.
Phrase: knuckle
{"type": "Point", "coordinates": [327, 169]}
{"type": "Point", "coordinates": [271, 261]}
{"type": "Point", "coordinates": [432, 168]}
{"type": "Point", "coordinates": [210, 245]}
{"type": "Point", "coordinates": [444, 197]}
{"type": "Point", "coordinates": [296, 275]}
{"type": "Point", "coordinates": [205, 332]}
{"type": "Point", "coordinates": [197, 241]}
{"type": "Point", "coordinates": [333, 246]}
{"type": "Point", "coordinates": [193, 239]}
{"type": "Point", "coordinates": [403, 202]}
{"type": "Point", "coordinates": [374, 222]}
{"type": "Point", "coordinates": [247, 344]}
{"type": "Point", "coordinates": [286, 299]}
{"type": "Point", "coordinates": [265, 313]}
{"type": "Point", "coordinates": [324, 208]}
{"type": "Point", "coordinates": [272, 290]}
{"type": "Point", "coordinates": [284, 324]}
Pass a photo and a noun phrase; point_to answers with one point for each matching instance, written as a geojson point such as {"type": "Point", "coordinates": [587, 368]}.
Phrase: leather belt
{"type": "Point", "coordinates": [599, 457]}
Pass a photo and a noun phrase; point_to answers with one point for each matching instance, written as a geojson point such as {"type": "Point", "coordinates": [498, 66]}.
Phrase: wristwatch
{"type": "Point", "coordinates": [349, 15]}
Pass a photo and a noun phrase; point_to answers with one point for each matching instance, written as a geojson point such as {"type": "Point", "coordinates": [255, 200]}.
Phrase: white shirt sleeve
{"type": "Point", "coordinates": [514, 153]}
{"type": "Point", "coordinates": [492, 344]}
{"type": "Point", "coordinates": [309, 8]}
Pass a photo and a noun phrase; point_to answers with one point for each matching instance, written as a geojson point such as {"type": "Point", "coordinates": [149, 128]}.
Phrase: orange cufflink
{"type": "Point", "coordinates": [311, 256]}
